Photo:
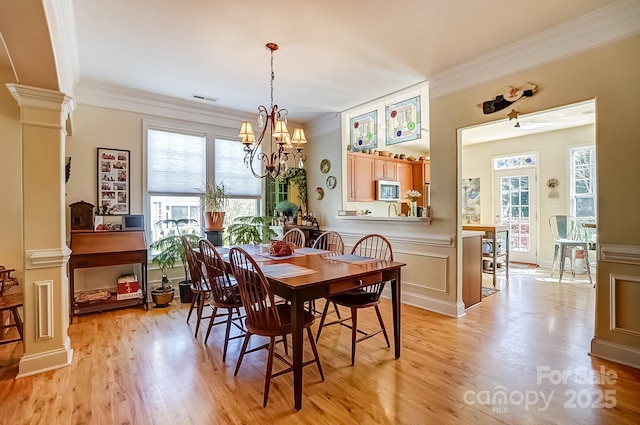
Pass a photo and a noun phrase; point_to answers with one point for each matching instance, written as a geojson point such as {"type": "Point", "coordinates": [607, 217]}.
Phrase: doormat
{"type": "Point", "coordinates": [488, 291]}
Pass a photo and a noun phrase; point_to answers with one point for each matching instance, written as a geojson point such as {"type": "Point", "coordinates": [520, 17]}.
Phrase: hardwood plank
{"type": "Point", "coordinates": [137, 367]}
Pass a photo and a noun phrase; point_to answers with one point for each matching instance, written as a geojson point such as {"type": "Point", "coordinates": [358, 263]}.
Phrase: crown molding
{"type": "Point", "coordinates": [121, 98]}
{"type": "Point", "coordinates": [606, 25]}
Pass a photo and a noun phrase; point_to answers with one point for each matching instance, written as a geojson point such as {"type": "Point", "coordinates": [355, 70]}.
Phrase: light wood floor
{"type": "Point", "coordinates": [136, 367]}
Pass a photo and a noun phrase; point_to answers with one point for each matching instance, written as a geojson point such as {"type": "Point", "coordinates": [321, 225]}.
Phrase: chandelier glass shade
{"type": "Point", "coordinates": [274, 137]}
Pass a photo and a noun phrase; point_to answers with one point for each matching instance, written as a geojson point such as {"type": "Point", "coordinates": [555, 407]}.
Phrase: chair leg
{"type": "Point", "coordinates": [286, 345]}
{"type": "Point", "coordinates": [384, 330]}
{"type": "Point", "coordinates": [555, 257]}
{"type": "Point", "coordinates": [194, 299]}
{"type": "Point", "coordinates": [354, 333]}
{"type": "Point", "coordinates": [586, 259]}
{"type": "Point", "coordinates": [199, 312]}
{"type": "Point", "coordinates": [213, 318]}
{"type": "Point", "coordinates": [315, 352]}
{"type": "Point", "coordinates": [267, 378]}
{"type": "Point", "coordinates": [242, 351]}
{"type": "Point", "coordinates": [572, 259]}
{"type": "Point", "coordinates": [18, 321]}
{"type": "Point", "coordinates": [562, 258]}
{"type": "Point", "coordinates": [226, 335]}
{"type": "Point", "coordinates": [324, 316]}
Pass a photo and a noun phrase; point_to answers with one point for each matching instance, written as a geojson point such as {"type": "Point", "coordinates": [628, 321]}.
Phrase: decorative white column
{"type": "Point", "coordinates": [43, 115]}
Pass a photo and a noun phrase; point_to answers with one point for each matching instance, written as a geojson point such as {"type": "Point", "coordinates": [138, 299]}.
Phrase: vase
{"type": "Point", "coordinates": [413, 208]}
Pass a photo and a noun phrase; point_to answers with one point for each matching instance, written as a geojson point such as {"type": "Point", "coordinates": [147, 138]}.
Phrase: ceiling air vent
{"type": "Point", "coordinates": [204, 98]}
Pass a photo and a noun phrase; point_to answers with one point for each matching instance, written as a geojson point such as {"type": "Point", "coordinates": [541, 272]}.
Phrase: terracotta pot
{"type": "Point", "coordinates": [213, 220]}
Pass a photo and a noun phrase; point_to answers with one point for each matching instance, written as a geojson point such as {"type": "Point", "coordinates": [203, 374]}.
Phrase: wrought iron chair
{"type": "Point", "coordinates": [225, 293]}
{"type": "Point", "coordinates": [568, 235]}
{"type": "Point", "coordinates": [265, 317]}
{"type": "Point", "coordinates": [374, 246]}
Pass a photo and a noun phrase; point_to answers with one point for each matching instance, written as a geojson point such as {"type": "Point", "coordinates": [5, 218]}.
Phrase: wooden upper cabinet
{"type": "Point", "coordinates": [386, 170]}
{"type": "Point", "coordinates": [360, 176]}
{"type": "Point", "coordinates": [405, 177]}
{"type": "Point", "coordinates": [421, 175]}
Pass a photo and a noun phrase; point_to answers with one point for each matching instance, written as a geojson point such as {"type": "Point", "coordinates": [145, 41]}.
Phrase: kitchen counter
{"type": "Point", "coordinates": [387, 219]}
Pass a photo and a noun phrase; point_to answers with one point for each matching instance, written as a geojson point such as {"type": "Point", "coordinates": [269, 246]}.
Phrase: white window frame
{"type": "Point", "coordinates": [573, 196]}
{"type": "Point", "coordinates": [210, 133]}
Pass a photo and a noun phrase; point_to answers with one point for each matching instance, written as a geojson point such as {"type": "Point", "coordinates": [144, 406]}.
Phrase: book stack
{"type": "Point", "coordinates": [128, 287]}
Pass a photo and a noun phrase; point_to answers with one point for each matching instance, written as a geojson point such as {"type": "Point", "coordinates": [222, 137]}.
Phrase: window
{"type": "Point", "coordinates": [180, 162]}
{"type": "Point", "coordinates": [583, 184]}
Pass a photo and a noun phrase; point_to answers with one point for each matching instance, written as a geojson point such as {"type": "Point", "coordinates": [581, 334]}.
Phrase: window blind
{"type": "Point", "coordinates": [176, 162]}
{"type": "Point", "coordinates": [230, 168]}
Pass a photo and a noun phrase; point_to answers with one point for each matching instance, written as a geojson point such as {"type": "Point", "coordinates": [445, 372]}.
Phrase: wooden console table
{"type": "Point", "coordinates": [492, 234]}
{"type": "Point", "coordinates": [97, 249]}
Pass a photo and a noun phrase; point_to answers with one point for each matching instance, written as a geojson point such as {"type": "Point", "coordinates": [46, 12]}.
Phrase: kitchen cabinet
{"type": "Point", "coordinates": [386, 170]}
{"type": "Point", "coordinates": [360, 177]}
{"type": "Point", "coordinates": [405, 177]}
{"type": "Point", "coordinates": [422, 176]}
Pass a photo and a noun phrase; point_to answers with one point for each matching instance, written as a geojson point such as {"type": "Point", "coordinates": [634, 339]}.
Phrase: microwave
{"type": "Point", "coordinates": [387, 191]}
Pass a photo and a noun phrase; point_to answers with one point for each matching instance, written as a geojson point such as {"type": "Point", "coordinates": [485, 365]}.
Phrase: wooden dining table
{"type": "Point", "coordinates": [311, 274]}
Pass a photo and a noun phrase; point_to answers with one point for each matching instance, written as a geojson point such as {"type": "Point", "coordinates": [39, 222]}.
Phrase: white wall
{"type": "Point", "coordinates": [552, 150]}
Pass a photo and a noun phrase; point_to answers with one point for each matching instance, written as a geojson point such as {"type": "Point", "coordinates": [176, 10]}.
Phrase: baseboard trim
{"type": "Point", "coordinates": [617, 353]}
{"type": "Point", "coordinates": [44, 362]}
{"type": "Point", "coordinates": [432, 304]}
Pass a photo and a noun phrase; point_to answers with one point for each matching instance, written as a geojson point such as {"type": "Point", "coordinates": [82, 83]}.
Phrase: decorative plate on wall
{"type": "Point", "coordinates": [319, 193]}
{"type": "Point", "coordinates": [331, 182]}
{"type": "Point", "coordinates": [325, 166]}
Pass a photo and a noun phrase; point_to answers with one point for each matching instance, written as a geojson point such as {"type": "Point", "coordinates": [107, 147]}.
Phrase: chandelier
{"type": "Point", "coordinates": [273, 122]}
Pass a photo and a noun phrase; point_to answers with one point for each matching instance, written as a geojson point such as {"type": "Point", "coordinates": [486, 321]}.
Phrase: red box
{"type": "Point", "coordinates": [128, 284]}
{"type": "Point", "coordinates": [128, 287]}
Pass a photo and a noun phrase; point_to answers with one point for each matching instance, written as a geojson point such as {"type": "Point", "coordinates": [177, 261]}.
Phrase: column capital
{"type": "Point", "coordinates": [36, 97]}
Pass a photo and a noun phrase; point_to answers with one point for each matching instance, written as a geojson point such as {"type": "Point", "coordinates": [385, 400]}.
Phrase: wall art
{"type": "Point", "coordinates": [113, 181]}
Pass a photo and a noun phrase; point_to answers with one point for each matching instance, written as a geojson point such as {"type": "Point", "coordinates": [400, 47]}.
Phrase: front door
{"type": "Point", "coordinates": [515, 197]}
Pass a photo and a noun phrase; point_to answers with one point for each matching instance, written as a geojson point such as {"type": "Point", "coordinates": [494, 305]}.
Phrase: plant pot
{"type": "Point", "coordinates": [213, 220]}
{"type": "Point", "coordinates": [186, 295]}
{"type": "Point", "coordinates": [162, 297]}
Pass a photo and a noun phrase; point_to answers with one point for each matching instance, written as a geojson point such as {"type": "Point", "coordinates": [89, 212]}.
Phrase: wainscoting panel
{"type": "Point", "coordinates": [44, 310]}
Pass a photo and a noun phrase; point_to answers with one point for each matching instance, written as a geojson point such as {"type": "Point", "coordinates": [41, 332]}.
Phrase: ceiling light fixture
{"type": "Point", "coordinates": [273, 122]}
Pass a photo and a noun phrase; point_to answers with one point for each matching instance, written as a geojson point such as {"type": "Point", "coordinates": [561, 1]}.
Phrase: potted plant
{"type": "Point", "coordinates": [213, 200]}
{"type": "Point", "coordinates": [170, 250]}
{"type": "Point", "coordinates": [250, 230]}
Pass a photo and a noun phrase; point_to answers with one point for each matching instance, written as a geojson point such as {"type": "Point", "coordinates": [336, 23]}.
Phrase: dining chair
{"type": "Point", "coordinates": [199, 284]}
{"type": "Point", "coordinates": [265, 317]}
{"type": "Point", "coordinates": [568, 235]}
{"type": "Point", "coordinates": [373, 246]}
{"type": "Point", "coordinates": [330, 241]}
{"type": "Point", "coordinates": [11, 303]}
{"type": "Point", "coordinates": [296, 237]}
{"type": "Point", "coordinates": [225, 293]}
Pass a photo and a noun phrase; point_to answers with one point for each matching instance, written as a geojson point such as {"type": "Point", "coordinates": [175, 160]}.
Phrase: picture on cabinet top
{"type": "Point", "coordinates": [364, 132]}
{"type": "Point", "coordinates": [403, 121]}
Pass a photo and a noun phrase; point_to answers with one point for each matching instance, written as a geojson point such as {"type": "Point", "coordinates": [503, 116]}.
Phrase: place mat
{"type": "Point", "coordinates": [275, 257]}
{"type": "Point", "coordinates": [311, 251]}
{"type": "Point", "coordinates": [353, 259]}
{"type": "Point", "coordinates": [284, 270]}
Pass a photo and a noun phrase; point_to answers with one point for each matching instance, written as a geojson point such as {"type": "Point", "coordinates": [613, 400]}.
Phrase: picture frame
{"type": "Point", "coordinates": [403, 121]}
{"type": "Point", "coordinates": [113, 181]}
{"type": "Point", "coordinates": [363, 132]}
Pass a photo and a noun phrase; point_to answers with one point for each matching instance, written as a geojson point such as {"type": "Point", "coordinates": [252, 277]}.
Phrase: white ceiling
{"type": "Point", "coordinates": [569, 116]}
{"type": "Point", "coordinates": [333, 54]}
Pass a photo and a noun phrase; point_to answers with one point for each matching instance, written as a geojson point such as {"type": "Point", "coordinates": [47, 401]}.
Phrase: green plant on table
{"type": "Point", "coordinates": [250, 230]}
{"type": "Point", "coordinates": [170, 246]}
